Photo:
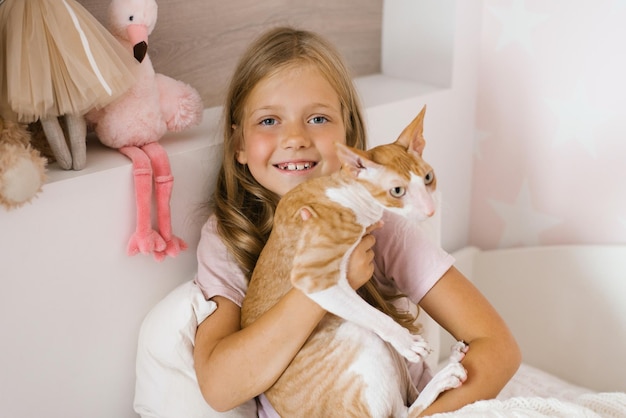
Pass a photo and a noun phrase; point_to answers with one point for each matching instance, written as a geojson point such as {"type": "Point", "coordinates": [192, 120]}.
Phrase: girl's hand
{"type": "Point", "coordinates": [361, 263]}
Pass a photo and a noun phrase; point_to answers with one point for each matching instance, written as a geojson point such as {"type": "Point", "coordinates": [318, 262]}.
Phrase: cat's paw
{"type": "Point", "coordinates": [451, 376]}
{"type": "Point", "coordinates": [414, 348]}
{"type": "Point", "coordinates": [458, 351]}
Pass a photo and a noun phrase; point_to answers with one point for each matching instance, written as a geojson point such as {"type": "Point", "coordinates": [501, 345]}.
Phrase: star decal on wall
{"type": "Point", "coordinates": [577, 120]}
{"type": "Point", "coordinates": [523, 223]}
{"type": "Point", "coordinates": [517, 25]}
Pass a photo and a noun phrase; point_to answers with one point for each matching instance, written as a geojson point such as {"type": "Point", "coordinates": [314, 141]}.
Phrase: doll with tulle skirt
{"type": "Point", "coordinates": [58, 60]}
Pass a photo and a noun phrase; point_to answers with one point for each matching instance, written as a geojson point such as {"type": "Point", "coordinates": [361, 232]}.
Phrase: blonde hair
{"type": "Point", "coordinates": [245, 209]}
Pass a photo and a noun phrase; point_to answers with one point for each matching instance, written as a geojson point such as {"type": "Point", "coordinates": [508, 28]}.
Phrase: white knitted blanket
{"type": "Point", "coordinates": [589, 405]}
{"type": "Point", "coordinates": [534, 393]}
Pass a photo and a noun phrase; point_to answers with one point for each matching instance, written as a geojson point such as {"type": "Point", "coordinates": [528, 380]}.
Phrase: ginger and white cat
{"type": "Point", "coordinates": [349, 367]}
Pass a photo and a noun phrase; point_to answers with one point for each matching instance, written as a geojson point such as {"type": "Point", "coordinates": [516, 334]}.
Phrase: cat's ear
{"type": "Point", "coordinates": [307, 212]}
{"type": "Point", "coordinates": [352, 160]}
{"type": "Point", "coordinates": [412, 137]}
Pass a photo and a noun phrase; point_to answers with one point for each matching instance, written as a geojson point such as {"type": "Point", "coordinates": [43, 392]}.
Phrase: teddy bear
{"type": "Point", "coordinates": [22, 168]}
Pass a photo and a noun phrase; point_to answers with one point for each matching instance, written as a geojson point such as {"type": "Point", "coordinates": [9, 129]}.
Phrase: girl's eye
{"type": "Point", "coordinates": [318, 119]}
{"type": "Point", "coordinates": [429, 178]}
{"type": "Point", "coordinates": [397, 191]}
{"type": "Point", "coordinates": [268, 122]}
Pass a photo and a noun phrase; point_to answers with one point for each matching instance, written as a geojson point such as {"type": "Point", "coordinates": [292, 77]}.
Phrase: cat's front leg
{"type": "Point", "coordinates": [343, 301]}
{"type": "Point", "coordinates": [449, 377]}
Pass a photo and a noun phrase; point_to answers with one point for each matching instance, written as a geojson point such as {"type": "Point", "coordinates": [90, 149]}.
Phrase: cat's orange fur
{"type": "Point", "coordinates": [345, 369]}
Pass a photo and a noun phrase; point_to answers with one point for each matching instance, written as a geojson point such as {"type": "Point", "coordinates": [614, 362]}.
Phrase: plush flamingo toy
{"type": "Point", "coordinates": [135, 122]}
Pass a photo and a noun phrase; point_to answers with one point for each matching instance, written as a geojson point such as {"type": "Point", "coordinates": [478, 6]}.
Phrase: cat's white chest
{"type": "Point", "coordinates": [356, 197]}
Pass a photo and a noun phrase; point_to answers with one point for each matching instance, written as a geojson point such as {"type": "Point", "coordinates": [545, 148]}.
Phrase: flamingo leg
{"type": "Point", "coordinates": [144, 239]}
{"type": "Point", "coordinates": [164, 182]}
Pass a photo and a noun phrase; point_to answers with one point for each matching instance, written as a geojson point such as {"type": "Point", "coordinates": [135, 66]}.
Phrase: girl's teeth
{"type": "Point", "coordinates": [297, 167]}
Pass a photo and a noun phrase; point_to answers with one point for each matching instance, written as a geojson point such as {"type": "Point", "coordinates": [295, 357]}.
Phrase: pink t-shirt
{"type": "Point", "coordinates": [406, 260]}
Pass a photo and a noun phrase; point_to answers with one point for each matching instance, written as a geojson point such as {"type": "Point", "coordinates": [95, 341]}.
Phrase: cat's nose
{"type": "Point", "coordinates": [429, 207]}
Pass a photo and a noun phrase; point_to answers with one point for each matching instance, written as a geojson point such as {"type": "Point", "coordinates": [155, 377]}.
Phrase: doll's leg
{"type": "Point", "coordinates": [163, 183]}
{"type": "Point", "coordinates": [56, 139]}
{"type": "Point", "coordinates": [145, 239]}
{"type": "Point", "coordinates": [77, 132]}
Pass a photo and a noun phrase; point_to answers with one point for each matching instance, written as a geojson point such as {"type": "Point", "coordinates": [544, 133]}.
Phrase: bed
{"type": "Point", "coordinates": [564, 304]}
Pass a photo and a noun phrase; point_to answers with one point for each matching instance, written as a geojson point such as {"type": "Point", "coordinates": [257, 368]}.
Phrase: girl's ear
{"type": "Point", "coordinates": [240, 152]}
{"type": "Point", "coordinates": [412, 137]}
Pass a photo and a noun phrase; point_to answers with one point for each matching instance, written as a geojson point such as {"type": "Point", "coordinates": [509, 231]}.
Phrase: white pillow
{"type": "Point", "coordinates": [166, 385]}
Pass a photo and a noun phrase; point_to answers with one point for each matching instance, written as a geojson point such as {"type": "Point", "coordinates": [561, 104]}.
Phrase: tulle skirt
{"type": "Point", "coordinates": [56, 58]}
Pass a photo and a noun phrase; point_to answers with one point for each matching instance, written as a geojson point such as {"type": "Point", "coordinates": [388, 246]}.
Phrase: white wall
{"type": "Point", "coordinates": [72, 301]}
{"type": "Point", "coordinates": [394, 99]}
{"type": "Point", "coordinates": [551, 118]}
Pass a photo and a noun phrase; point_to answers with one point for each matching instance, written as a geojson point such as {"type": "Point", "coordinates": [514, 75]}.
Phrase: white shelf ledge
{"type": "Point", "coordinates": [101, 158]}
{"type": "Point", "coordinates": [379, 89]}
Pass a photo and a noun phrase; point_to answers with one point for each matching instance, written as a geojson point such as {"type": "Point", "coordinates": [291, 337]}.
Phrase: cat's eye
{"type": "Point", "coordinates": [429, 178]}
{"type": "Point", "coordinates": [397, 191]}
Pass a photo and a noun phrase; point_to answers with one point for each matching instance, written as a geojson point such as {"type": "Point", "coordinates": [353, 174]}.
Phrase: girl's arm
{"type": "Point", "coordinates": [234, 365]}
{"type": "Point", "coordinates": [493, 355]}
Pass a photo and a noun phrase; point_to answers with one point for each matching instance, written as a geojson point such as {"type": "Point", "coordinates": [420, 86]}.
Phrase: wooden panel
{"type": "Point", "coordinates": [200, 41]}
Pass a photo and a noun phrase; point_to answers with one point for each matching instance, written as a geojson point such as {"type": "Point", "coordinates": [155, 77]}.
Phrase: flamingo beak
{"type": "Point", "coordinates": [138, 36]}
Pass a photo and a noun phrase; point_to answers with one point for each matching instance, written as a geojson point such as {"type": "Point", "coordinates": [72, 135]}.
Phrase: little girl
{"type": "Point", "coordinates": [290, 99]}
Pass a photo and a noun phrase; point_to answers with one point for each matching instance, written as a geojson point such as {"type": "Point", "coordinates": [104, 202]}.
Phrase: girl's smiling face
{"type": "Point", "coordinates": [291, 121]}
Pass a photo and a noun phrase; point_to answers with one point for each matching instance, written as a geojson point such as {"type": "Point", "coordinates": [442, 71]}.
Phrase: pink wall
{"type": "Point", "coordinates": [550, 152]}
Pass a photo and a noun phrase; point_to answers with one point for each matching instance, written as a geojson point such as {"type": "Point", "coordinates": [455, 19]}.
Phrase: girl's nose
{"type": "Point", "coordinates": [296, 137]}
